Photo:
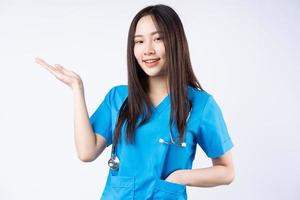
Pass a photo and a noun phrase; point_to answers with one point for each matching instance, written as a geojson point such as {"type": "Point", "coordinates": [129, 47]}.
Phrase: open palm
{"type": "Point", "coordinates": [68, 77]}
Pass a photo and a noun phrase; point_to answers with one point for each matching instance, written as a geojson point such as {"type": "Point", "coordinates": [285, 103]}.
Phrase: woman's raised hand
{"type": "Point", "coordinates": [68, 77]}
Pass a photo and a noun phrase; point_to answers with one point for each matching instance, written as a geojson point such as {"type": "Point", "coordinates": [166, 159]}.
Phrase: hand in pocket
{"type": "Point", "coordinates": [176, 177]}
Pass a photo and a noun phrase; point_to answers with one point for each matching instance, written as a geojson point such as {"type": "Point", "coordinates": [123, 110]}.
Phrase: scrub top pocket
{"type": "Point", "coordinates": [122, 187]}
{"type": "Point", "coordinates": [168, 191]}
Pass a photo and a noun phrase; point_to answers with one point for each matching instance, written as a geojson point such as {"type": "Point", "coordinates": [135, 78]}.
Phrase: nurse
{"type": "Point", "coordinates": [156, 121]}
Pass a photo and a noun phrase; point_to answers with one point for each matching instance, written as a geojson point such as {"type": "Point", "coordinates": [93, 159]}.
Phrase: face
{"type": "Point", "coordinates": [149, 49]}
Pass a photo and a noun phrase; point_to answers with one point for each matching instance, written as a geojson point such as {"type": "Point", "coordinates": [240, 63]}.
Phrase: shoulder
{"type": "Point", "coordinates": [199, 98]}
{"type": "Point", "coordinates": [117, 94]}
{"type": "Point", "coordinates": [119, 90]}
{"type": "Point", "coordinates": [204, 103]}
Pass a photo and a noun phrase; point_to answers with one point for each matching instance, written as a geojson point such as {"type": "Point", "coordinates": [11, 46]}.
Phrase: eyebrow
{"type": "Point", "coordinates": [152, 33]}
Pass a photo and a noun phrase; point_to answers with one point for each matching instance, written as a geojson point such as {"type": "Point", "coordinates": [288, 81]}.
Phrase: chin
{"type": "Point", "coordinates": [153, 73]}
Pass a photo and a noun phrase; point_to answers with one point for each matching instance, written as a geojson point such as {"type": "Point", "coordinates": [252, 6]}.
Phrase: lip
{"type": "Point", "coordinates": [151, 59]}
{"type": "Point", "coordinates": [153, 63]}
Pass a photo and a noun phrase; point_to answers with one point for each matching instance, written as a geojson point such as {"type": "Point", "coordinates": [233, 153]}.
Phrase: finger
{"type": "Point", "coordinates": [44, 64]}
{"type": "Point", "coordinates": [64, 74]}
{"type": "Point", "coordinates": [48, 67]}
{"type": "Point", "coordinates": [64, 70]}
{"type": "Point", "coordinates": [59, 67]}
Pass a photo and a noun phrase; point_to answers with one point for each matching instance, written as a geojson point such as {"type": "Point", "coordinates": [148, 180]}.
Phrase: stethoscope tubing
{"type": "Point", "coordinates": [114, 161]}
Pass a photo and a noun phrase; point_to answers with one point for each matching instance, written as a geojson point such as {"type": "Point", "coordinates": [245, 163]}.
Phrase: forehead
{"type": "Point", "coordinates": [146, 26]}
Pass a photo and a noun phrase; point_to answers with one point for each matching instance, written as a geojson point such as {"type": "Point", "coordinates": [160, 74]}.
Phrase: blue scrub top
{"type": "Point", "coordinates": [145, 164]}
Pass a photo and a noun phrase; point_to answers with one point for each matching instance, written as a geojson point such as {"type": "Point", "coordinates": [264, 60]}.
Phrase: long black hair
{"type": "Point", "coordinates": [179, 73]}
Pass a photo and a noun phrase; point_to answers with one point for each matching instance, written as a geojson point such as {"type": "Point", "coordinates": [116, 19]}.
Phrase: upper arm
{"type": "Point", "coordinates": [100, 145]}
{"type": "Point", "coordinates": [101, 120]}
{"type": "Point", "coordinates": [226, 161]}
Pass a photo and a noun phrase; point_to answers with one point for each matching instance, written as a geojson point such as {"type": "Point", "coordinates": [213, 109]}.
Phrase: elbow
{"type": "Point", "coordinates": [230, 178]}
{"type": "Point", "coordinates": [85, 158]}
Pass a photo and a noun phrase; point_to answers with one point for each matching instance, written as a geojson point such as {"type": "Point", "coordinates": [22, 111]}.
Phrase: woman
{"type": "Point", "coordinates": [156, 121]}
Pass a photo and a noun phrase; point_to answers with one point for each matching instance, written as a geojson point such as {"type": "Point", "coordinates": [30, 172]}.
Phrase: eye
{"type": "Point", "coordinates": [159, 39]}
{"type": "Point", "coordinates": [138, 41]}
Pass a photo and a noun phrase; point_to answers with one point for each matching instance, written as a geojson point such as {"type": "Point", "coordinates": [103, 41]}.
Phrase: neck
{"type": "Point", "coordinates": [158, 85]}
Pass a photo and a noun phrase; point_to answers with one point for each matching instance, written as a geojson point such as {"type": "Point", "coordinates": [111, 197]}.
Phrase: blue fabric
{"type": "Point", "coordinates": [145, 164]}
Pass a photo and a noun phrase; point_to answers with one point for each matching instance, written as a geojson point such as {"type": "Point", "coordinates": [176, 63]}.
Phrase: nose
{"type": "Point", "coordinates": [149, 49]}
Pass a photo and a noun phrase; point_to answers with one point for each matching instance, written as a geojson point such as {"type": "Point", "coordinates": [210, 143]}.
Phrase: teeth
{"type": "Point", "coordinates": [151, 61]}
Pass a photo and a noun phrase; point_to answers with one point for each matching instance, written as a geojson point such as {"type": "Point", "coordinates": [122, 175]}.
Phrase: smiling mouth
{"type": "Point", "coordinates": [151, 60]}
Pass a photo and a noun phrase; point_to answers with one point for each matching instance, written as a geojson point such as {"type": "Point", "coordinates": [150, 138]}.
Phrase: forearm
{"type": "Point", "coordinates": [85, 139]}
{"type": "Point", "coordinates": [207, 177]}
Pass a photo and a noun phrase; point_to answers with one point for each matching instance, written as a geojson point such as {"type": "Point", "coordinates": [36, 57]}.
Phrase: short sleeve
{"type": "Point", "coordinates": [213, 136]}
{"type": "Point", "coordinates": [101, 119]}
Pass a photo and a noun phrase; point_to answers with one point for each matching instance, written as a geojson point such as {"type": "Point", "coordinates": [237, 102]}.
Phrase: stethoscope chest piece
{"type": "Point", "coordinates": [114, 162]}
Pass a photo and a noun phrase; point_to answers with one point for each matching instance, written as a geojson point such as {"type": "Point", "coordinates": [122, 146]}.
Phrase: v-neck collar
{"type": "Point", "coordinates": [166, 101]}
{"type": "Point", "coordinates": [159, 108]}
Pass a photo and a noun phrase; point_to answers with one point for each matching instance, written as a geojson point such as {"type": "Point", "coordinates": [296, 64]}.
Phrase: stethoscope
{"type": "Point", "coordinates": [114, 161]}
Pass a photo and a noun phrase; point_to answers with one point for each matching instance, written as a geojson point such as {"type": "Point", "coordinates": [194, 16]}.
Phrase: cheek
{"type": "Point", "coordinates": [137, 54]}
{"type": "Point", "coordinates": [161, 51]}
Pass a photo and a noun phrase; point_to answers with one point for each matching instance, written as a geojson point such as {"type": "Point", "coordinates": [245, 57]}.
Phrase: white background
{"type": "Point", "coordinates": [244, 53]}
